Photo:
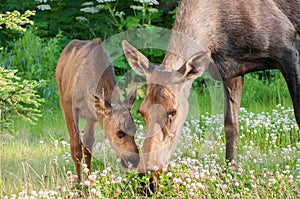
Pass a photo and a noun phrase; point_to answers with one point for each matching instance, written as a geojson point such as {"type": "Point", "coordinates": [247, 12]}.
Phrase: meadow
{"type": "Point", "coordinates": [36, 162]}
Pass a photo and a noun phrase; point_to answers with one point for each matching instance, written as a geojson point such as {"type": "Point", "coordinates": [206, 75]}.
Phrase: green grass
{"type": "Point", "coordinates": [35, 161]}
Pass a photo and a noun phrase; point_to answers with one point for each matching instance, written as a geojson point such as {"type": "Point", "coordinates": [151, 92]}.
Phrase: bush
{"type": "Point", "coordinates": [18, 98]}
{"type": "Point", "coordinates": [34, 59]}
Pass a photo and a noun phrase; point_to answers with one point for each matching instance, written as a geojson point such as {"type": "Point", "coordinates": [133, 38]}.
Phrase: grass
{"type": "Point", "coordinates": [36, 162]}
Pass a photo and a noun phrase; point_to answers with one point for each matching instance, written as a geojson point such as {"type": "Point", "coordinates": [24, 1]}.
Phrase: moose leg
{"type": "Point", "coordinates": [75, 142]}
{"type": "Point", "coordinates": [88, 142]}
{"type": "Point", "coordinates": [233, 92]}
{"type": "Point", "coordinates": [291, 72]}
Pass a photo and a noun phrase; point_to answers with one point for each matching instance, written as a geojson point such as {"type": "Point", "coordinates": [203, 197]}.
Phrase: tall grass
{"type": "Point", "coordinates": [259, 94]}
{"type": "Point", "coordinates": [36, 162]}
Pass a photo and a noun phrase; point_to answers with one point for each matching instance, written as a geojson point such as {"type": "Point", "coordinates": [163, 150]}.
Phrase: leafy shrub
{"type": "Point", "coordinates": [34, 59]}
{"type": "Point", "coordinates": [18, 98]}
{"type": "Point", "coordinates": [14, 20]}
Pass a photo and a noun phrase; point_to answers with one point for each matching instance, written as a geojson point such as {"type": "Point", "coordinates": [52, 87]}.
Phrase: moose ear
{"type": "Point", "coordinates": [102, 106]}
{"type": "Point", "coordinates": [137, 61]}
{"type": "Point", "coordinates": [196, 65]}
{"type": "Point", "coordinates": [131, 97]}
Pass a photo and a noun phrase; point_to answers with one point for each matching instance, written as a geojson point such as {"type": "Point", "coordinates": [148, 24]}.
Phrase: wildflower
{"type": "Point", "coordinates": [84, 165]}
{"type": "Point", "coordinates": [290, 181]}
{"type": "Point", "coordinates": [202, 175]}
{"type": "Point", "coordinates": [86, 170]}
{"type": "Point", "coordinates": [272, 181]}
{"type": "Point", "coordinates": [119, 179]}
{"type": "Point", "coordinates": [55, 143]}
{"type": "Point", "coordinates": [236, 195]}
{"type": "Point", "coordinates": [240, 171]}
{"type": "Point", "coordinates": [87, 183]}
{"type": "Point", "coordinates": [236, 184]}
{"type": "Point", "coordinates": [92, 178]}
{"type": "Point", "coordinates": [254, 186]}
{"type": "Point", "coordinates": [75, 177]}
{"type": "Point", "coordinates": [200, 186]}
{"type": "Point", "coordinates": [169, 174]}
{"type": "Point", "coordinates": [213, 178]}
{"type": "Point", "coordinates": [64, 143]}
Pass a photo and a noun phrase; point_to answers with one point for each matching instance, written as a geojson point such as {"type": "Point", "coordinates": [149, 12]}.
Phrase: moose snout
{"type": "Point", "coordinates": [131, 161]}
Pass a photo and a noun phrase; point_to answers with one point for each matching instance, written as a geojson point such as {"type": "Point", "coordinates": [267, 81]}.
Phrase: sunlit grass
{"type": "Point", "coordinates": [268, 164]}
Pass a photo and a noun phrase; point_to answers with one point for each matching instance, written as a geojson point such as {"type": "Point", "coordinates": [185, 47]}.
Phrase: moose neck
{"type": "Point", "coordinates": [193, 31]}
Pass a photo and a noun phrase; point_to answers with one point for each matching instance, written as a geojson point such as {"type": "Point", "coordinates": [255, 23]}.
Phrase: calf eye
{"type": "Point", "coordinates": [120, 134]}
{"type": "Point", "coordinates": [173, 113]}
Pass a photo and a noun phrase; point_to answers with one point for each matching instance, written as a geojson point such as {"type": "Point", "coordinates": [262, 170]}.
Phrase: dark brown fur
{"type": "Point", "coordinates": [228, 38]}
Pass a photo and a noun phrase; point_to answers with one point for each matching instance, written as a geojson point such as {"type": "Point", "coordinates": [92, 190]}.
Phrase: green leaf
{"type": "Point", "coordinates": [131, 22]}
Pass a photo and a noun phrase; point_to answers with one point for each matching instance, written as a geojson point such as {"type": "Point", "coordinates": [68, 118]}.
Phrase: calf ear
{"type": "Point", "coordinates": [196, 65]}
{"type": "Point", "coordinates": [137, 61]}
{"type": "Point", "coordinates": [131, 97]}
{"type": "Point", "coordinates": [102, 106]}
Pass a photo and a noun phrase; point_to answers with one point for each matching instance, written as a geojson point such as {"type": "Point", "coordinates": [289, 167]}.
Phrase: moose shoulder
{"type": "Point", "coordinates": [88, 90]}
{"type": "Point", "coordinates": [229, 39]}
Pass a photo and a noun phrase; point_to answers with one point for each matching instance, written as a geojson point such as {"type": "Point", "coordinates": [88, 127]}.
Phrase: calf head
{"type": "Point", "coordinates": [165, 107]}
{"type": "Point", "coordinates": [119, 127]}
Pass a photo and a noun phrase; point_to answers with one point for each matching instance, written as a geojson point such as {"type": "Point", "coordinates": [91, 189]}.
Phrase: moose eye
{"type": "Point", "coordinates": [173, 113]}
{"type": "Point", "coordinates": [120, 134]}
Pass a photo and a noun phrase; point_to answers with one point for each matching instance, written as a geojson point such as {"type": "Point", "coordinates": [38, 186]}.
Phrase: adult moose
{"type": "Point", "coordinates": [227, 38]}
{"type": "Point", "coordinates": [88, 89]}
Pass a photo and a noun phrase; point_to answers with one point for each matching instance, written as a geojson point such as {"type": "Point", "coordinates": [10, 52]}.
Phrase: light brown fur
{"type": "Point", "coordinates": [88, 90]}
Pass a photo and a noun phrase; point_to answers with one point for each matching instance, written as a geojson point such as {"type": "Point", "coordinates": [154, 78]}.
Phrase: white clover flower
{"type": "Point", "coordinates": [86, 170]}
{"type": "Point", "coordinates": [93, 191]}
{"type": "Point", "coordinates": [272, 181]}
{"type": "Point", "coordinates": [169, 174]}
{"type": "Point", "coordinates": [298, 145]}
{"type": "Point", "coordinates": [87, 183]}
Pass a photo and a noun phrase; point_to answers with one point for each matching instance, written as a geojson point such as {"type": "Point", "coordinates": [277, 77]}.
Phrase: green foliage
{"type": "Point", "coordinates": [14, 20]}
{"type": "Point", "coordinates": [35, 59]}
{"type": "Point", "coordinates": [18, 98]}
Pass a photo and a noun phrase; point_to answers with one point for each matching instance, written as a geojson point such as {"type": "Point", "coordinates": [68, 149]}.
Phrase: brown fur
{"type": "Point", "coordinates": [228, 38]}
{"type": "Point", "coordinates": [88, 90]}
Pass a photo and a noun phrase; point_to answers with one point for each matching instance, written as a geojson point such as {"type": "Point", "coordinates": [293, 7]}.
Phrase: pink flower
{"type": "Point", "coordinates": [86, 170]}
{"type": "Point", "coordinates": [272, 181]}
{"type": "Point", "coordinates": [290, 181]}
{"type": "Point", "coordinates": [202, 175]}
{"type": "Point", "coordinates": [236, 195]}
{"type": "Point", "coordinates": [169, 174]}
{"type": "Point", "coordinates": [87, 183]}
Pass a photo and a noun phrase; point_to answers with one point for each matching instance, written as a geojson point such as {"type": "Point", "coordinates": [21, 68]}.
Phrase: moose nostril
{"type": "Point", "coordinates": [130, 162]}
